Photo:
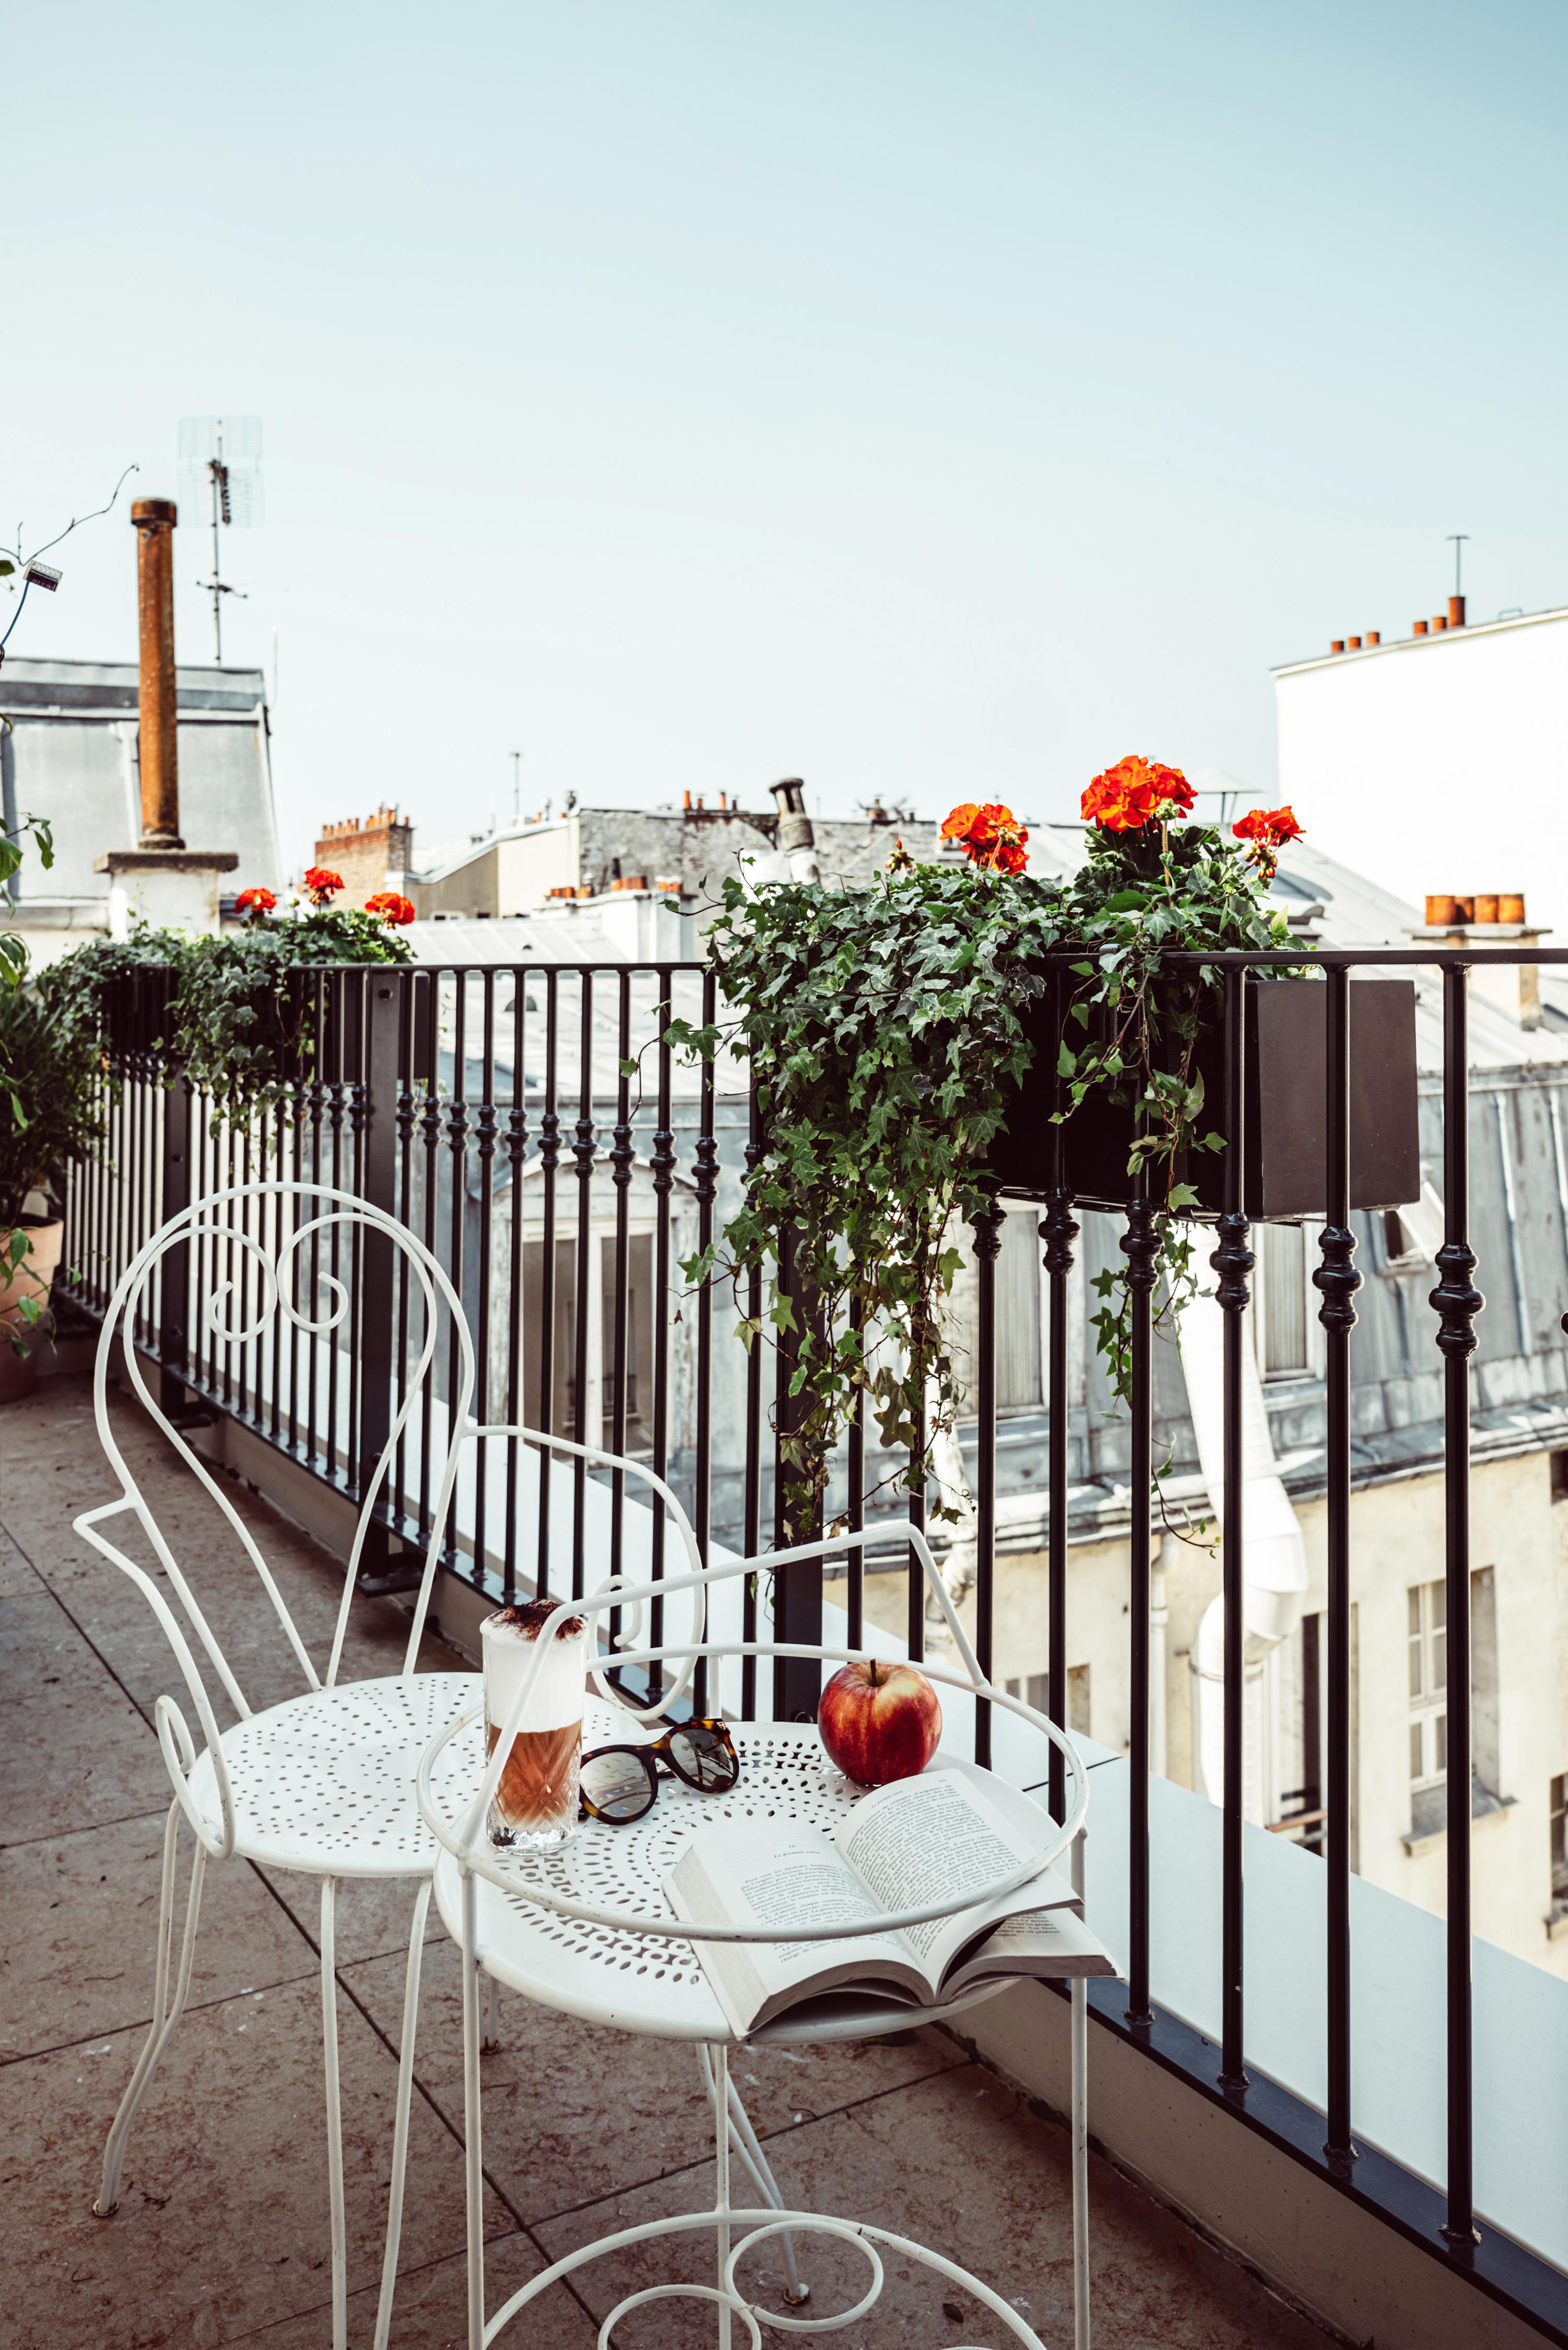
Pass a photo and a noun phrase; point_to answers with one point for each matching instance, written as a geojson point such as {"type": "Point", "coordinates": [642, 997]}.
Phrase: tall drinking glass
{"type": "Point", "coordinates": [536, 1803]}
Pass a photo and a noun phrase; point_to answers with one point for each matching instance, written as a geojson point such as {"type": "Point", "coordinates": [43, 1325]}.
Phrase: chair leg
{"type": "Point", "coordinates": [163, 2024]}
{"type": "Point", "coordinates": [473, 2148]}
{"type": "Point", "coordinates": [400, 2127]}
{"type": "Point", "coordinates": [334, 2114]}
{"type": "Point", "coordinates": [492, 2013]}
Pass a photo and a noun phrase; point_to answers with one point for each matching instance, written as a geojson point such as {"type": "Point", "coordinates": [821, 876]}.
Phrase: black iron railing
{"type": "Point", "coordinates": [493, 1110]}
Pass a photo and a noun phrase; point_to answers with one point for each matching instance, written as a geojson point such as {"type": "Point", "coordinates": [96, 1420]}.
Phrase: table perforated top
{"type": "Point", "coordinates": [639, 1983]}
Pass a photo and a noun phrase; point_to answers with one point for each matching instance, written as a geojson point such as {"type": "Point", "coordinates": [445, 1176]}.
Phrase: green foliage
{"type": "Point", "coordinates": [241, 1009]}
{"type": "Point", "coordinates": [49, 1110]}
{"type": "Point", "coordinates": [13, 946]}
{"type": "Point", "coordinates": [887, 1027]}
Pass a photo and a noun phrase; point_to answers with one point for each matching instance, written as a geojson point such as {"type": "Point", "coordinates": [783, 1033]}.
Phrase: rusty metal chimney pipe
{"type": "Point", "coordinates": [154, 520]}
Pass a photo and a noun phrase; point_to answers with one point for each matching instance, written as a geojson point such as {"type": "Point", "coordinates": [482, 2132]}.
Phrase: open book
{"type": "Point", "coordinates": [953, 1828]}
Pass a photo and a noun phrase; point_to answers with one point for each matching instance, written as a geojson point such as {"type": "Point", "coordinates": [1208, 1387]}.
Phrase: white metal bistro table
{"type": "Point", "coordinates": [638, 1981]}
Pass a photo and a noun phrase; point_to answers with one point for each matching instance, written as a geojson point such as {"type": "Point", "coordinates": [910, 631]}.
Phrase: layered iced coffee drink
{"type": "Point", "coordinates": [536, 1801]}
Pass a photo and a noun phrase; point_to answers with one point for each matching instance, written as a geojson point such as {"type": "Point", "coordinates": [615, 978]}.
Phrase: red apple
{"type": "Point", "coordinates": [879, 1722]}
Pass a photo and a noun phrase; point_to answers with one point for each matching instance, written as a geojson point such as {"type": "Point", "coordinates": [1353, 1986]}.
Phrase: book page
{"type": "Point", "coordinates": [1039, 1942]}
{"type": "Point", "coordinates": [926, 1839]}
{"type": "Point", "coordinates": [778, 1874]}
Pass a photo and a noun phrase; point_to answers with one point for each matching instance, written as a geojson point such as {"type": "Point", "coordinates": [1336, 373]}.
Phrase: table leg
{"type": "Point", "coordinates": [748, 2145]}
{"type": "Point", "coordinates": [1080, 2093]}
{"type": "Point", "coordinates": [719, 2056]}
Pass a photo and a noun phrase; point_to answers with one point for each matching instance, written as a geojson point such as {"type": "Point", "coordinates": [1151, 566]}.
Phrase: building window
{"type": "Point", "coordinates": [1560, 1842]}
{"type": "Point", "coordinates": [1035, 1690]}
{"type": "Point", "coordinates": [1429, 1671]}
{"type": "Point", "coordinates": [1559, 1476]}
{"type": "Point", "coordinates": [1281, 1327]}
{"type": "Point", "coordinates": [1016, 1292]}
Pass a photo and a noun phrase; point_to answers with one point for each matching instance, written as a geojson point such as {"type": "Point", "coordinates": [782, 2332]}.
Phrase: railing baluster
{"type": "Point", "coordinates": [587, 1414]}
{"type": "Point", "coordinates": [484, 1271]}
{"type": "Point", "coordinates": [914, 1573]}
{"type": "Point", "coordinates": [354, 1002]}
{"type": "Point", "coordinates": [1058, 1231]}
{"type": "Point", "coordinates": [706, 1186]}
{"type": "Point", "coordinates": [1232, 1260]}
{"type": "Point", "coordinates": [855, 1501]}
{"type": "Point", "coordinates": [1141, 1247]}
{"type": "Point", "coordinates": [663, 1164]}
{"type": "Point", "coordinates": [516, 1153]}
{"type": "Point", "coordinates": [1338, 1280]}
{"type": "Point", "coordinates": [336, 1452]}
{"type": "Point", "coordinates": [1456, 1302]}
{"type": "Point", "coordinates": [751, 1486]}
{"type": "Point", "coordinates": [987, 1247]}
{"type": "Point", "coordinates": [457, 1129]}
{"type": "Point", "coordinates": [621, 1156]}
{"type": "Point", "coordinates": [412, 994]}
{"type": "Point", "coordinates": [549, 1153]}
{"type": "Point", "coordinates": [430, 1125]}
{"type": "Point", "coordinates": [318, 1104]}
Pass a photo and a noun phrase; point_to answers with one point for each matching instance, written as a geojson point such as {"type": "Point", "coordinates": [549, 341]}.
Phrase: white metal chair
{"type": "Point", "coordinates": [322, 1783]}
{"type": "Point", "coordinates": [591, 1934]}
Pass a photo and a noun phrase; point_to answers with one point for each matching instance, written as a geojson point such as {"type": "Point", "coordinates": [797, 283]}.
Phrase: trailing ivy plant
{"type": "Point", "coordinates": [239, 1015]}
{"type": "Point", "coordinates": [889, 1029]}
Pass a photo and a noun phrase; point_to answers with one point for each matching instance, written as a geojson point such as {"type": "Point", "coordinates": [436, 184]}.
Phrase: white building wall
{"type": "Point", "coordinates": [1439, 763]}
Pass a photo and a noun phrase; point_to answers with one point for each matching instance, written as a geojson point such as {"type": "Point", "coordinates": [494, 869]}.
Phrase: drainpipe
{"type": "Point", "coordinates": [1158, 1626]}
{"type": "Point", "coordinates": [1274, 1565]}
{"type": "Point", "coordinates": [797, 838]}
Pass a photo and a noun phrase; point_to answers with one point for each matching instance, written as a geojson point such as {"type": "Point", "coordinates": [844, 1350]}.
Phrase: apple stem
{"type": "Point", "coordinates": [876, 1678]}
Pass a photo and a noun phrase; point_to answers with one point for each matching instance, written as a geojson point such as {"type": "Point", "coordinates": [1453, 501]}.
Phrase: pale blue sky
{"type": "Point", "coordinates": [934, 398]}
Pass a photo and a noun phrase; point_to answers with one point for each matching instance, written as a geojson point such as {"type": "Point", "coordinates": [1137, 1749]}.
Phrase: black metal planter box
{"type": "Point", "coordinates": [1285, 1134]}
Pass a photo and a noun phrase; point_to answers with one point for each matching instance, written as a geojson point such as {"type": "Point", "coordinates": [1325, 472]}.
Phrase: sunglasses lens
{"type": "Point", "coordinates": [703, 1756]}
{"type": "Point", "coordinates": [617, 1786]}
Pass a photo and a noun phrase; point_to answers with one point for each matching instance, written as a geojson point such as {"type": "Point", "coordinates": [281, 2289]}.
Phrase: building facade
{"type": "Point", "coordinates": [68, 753]}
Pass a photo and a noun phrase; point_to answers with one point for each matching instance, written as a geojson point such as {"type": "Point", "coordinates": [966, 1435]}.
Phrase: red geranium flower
{"type": "Point", "coordinates": [1266, 831]}
{"type": "Point", "coordinates": [1133, 793]}
{"type": "Point", "coordinates": [323, 886]}
{"type": "Point", "coordinates": [392, 906]}
{"type": "Point", "coordinates": [990, 836]}
{"type": "Point", "coordinates": [1273, 827]}
{"type": "Point", "coordinates": [255, 902]}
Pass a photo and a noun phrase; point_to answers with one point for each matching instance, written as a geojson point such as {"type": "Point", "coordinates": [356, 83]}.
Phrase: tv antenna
{"type": "Point", "coordinates": [517, 758]}
{"type": "Point", "coordinates": [221, 457]}
{"type": "Point", "coordinates": [1457, 541]}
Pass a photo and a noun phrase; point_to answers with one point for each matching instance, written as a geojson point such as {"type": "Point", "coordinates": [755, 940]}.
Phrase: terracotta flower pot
{"type": "Point", "coordinates": [35, 1276]}
{"type": "Point", "coordinates": [32, 1280]}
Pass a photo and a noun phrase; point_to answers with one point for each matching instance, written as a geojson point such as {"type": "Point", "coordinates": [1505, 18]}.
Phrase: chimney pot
{"type": "Point", "coordinates": [1353, 643]}
{"type": "Point", "coordinates": [1442, 912]}
{"type": "Point", "coordinates": [1456, 611]}
{"type": "Point", "coordinates": [1511, 907]}
{"type": "Point", "coordinates": [158, 699]}
{"type": "Point", "coordinates": [1336, 645]}
{"type": "Point", "coordinates": [1439, 624]}
{"type": "Point", "coordinates": [1418, 628]}
{"type": "Point", "coordinates": [1485, 907]}
{"type": "Point", "coordinates": [1375, 636]}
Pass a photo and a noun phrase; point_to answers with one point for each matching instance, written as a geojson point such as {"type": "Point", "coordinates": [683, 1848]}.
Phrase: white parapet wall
{"type": "Point", "coordinates": [1437, 763]}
